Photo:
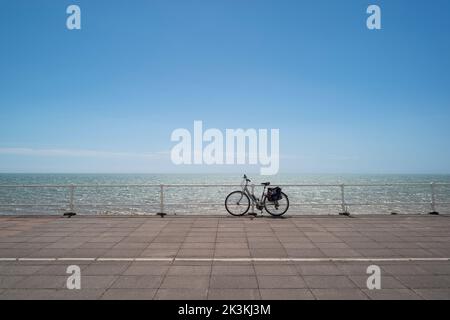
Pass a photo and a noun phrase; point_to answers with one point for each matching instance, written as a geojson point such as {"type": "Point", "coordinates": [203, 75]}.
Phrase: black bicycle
{"type": "Point", "coordinates": [274, 201]}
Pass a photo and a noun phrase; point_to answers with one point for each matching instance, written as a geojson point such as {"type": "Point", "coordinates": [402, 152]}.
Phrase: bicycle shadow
{"type": "Point", "coordinates": [253, 216]}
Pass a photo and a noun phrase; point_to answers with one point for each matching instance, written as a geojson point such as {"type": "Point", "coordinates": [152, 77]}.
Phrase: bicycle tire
{"type": "Point", "coordinates": [285, 197]}
{"type": "Point", "coordinates": [246, 206]}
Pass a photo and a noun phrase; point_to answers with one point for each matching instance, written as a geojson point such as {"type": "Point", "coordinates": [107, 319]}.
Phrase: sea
{"type": "Point", "coordinates": [139, 194]}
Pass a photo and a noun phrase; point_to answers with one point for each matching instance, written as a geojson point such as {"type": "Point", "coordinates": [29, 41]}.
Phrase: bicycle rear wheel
{"type": "Point", "coordinates": [237, 203]}
{"type": "Point", "coordinates": [277, 208]}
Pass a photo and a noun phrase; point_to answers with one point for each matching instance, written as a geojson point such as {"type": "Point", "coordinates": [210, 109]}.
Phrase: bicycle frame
{"type": "Point", "coordinates": [252, 197]}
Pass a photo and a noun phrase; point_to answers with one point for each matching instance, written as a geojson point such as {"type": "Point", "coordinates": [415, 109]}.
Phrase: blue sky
{"type": "Point", "coordinates": [107, 98]}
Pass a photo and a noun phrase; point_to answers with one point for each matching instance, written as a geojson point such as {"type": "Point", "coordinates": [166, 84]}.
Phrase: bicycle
{"type": "Point", "coordinates": [237, 203]}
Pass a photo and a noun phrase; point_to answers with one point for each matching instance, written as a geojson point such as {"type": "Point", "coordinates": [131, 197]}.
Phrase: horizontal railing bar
{"type": "Point", "coordinates": [387, 203]}
{"type": "Point", "coordinates": [217, 204]}
{"type": "Point", "coordinates": [117, 205]}
{"type": "Point", "coordinates": [118, 185]}
{"type": "Point", "coordinates": [191, 204]}
{"type": "Point", "coordinates": [32, 205]}
{"type": "Point", "coordinates": [364, 185]}
{"type": "Point", "coordinates": [214, 185]}
{"type": "Point", "coordinates": [80, 186]}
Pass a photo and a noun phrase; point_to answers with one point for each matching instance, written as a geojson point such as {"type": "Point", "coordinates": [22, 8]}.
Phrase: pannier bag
{"type": "Point", "coordinates": [274, 194]}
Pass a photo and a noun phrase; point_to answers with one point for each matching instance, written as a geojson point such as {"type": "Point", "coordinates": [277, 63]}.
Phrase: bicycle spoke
{"type": "Point", "coordinates": [237, 203]}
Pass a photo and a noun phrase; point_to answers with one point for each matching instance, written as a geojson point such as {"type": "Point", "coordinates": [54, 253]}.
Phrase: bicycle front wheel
{"type": "Point", "coordinates": [237, 203]}
{"type": "Point", "coordinates": [277, 208]}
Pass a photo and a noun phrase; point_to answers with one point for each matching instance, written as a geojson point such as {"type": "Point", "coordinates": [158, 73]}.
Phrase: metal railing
{"type": "Point", "coordinates": [344, 205]}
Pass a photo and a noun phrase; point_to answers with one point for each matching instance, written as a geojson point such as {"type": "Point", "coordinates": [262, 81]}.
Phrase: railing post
{"type": "Point", "coordinates": [161, 201]}
{"type": "Point", "coordinates": [343, 204]}
{"type": "Point", "coordinates": [391, 204]}
{"type": "Point", "coordinates": [71, 202]}
{"type": "Point", "coordinates": [433, 200]}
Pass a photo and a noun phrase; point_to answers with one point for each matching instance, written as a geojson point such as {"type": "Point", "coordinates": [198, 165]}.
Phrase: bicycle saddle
{"type": "Point", "coordinates": [265, 184]}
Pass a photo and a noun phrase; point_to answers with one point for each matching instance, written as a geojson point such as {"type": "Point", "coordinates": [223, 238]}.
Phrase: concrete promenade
{"type": "Point", "coordinates": [224, 257]}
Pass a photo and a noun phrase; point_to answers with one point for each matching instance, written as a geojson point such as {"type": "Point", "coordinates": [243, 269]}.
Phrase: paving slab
{"type": "Point", "coordinates": [129, 294]}
{"type": "Point", "coordinates": [234, 282]}
{"type": "Point", "coordinates": [137, 282]}
{"type": "Point", "coordinates": [392, 294]}
{"type": "Point", "coordinates": [234, 294]}
{"type": "Point", "coordinates": [286, 294]}
{"type": "Point", "coordinates": [281, 282]}
{"type": "Point", "coordinates": [182, 294]}
{"type": "Point", "coordinates": [339, 294]}
{"type": "Point", "coordinates": [185, 282]}
{"type": "Point", "coordinates": [327, 281]}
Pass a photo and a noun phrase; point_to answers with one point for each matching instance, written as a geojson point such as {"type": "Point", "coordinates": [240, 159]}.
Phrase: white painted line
{"type": "Point", "coordinates": [235, 259]}
{"type": "Point", "coordinates": [36, 259]}
{"type": "Point", "coordinates": [361, 259]}
{"type": "Point", "coordinates": [271, 259]}
{"type": "Point", "coordinates": [312, 259]}
{"type": "Point", "coordinates": [115, 259]}
{"type": "Point", "coordinates": [153, 259]}
{"type": "Point", "coordinates": [194, 259]}
{"type": "Point", "coordinates": [75, 259]}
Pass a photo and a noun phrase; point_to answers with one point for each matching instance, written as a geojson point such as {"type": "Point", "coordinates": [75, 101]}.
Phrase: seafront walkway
{"type": "Point", "coordinates": [198, 257]}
